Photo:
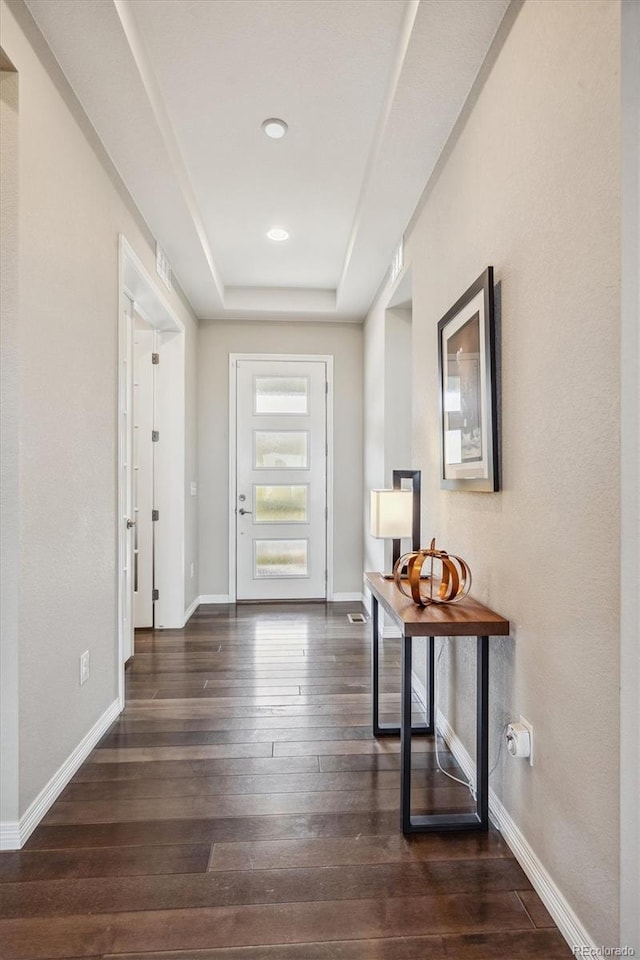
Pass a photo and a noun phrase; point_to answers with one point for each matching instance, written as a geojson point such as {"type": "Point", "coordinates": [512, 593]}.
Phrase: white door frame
{"type": "Point", "coordinates": [233, 376]}
{"type": "Point", "coordinates": [136, 283]}
{"type": "Point", "coordinates": [125, 483]}
{"type": "Point", "coordinates": [144, 501]}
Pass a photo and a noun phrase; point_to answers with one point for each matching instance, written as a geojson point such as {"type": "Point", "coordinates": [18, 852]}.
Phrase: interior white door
{"type": "Point", "coordinates": [143, 423]}
{"type": "Point", "coordinates": [281, 479]}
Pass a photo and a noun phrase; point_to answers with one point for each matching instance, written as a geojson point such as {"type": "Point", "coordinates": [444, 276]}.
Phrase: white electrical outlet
{"type": "Point", "coordinates": [519, 738]}
{"type": "Point", "coordinates": [84, 667]}
{"type": "Point", "coordinates": [194, 488]}
{"type": "Point", "coordinates": [529, 727]}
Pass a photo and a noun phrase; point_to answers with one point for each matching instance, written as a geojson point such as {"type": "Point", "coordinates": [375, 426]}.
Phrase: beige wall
{"type": "Point", "coordinates": [217, 340]}
{"type": "Point", "coordinates": [531, 186]}
{"type": "Point", "coordinates": [72, 207]}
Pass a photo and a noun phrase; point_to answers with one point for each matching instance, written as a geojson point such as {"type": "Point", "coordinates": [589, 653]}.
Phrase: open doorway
{"type": "Point", "coordinates": [151, 508]}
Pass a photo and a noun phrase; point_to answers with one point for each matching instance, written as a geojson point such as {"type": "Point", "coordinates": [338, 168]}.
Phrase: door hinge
{"type": "Point", "coordinates": [155, 594]}
{"type": "Point", "coordinates": [155, 514]}
{"type": "Point", "coordinates": [155, 358]}
{"type": "Point", "coordinates": [155, 436]}
{"type": "Point", "coordinates": [326, 386]}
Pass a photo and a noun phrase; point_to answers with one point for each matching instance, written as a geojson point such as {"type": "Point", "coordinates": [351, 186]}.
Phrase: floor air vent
{"type": "Point", "coordinates": [356, 618]}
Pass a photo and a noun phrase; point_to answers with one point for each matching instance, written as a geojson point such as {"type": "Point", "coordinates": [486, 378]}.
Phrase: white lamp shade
{"type": "Point", "coordinates": [391, 514]}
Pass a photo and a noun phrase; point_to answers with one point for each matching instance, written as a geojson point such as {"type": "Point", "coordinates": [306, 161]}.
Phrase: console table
{"type": "Point", "coordinates": [468, 618]}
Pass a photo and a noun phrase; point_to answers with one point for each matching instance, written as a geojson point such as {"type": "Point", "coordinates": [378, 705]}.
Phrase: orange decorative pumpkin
{"type": "Point", "coordinates": [454, 583]}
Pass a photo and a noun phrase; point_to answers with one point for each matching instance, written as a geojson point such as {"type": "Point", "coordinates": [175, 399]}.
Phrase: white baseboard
{"type": "Point", "coordinates": [14, 835]}
{"type": "Point", "coordinates": [460, 752]}
{"type": "Point", "coordinates": [191, 609]}
{"type": "Point", "coordinates": [226, 598]}
{"type": "Point", "coordinates": [568, 923]}
{"type": "Point", "coordinates": [10, 835]}
{"type": "Point", "coordinates": [564, 916]}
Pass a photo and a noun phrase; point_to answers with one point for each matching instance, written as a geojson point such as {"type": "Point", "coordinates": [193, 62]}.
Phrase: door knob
{"type": "Point", "coordinates": [130, 523]}
{"type": "Point", "coordinates": [242, 511]}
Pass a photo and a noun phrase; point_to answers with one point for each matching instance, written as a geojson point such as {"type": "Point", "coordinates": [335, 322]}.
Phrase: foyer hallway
{"type": "Point", "coordinates": [239, 809]}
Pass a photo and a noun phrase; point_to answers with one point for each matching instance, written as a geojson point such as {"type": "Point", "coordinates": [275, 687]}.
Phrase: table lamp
{"type": "Point", "coordinates": [395, 513]}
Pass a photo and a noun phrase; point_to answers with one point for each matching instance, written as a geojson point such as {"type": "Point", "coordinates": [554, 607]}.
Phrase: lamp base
{"type": "Point", "coordinates": [403, 576]}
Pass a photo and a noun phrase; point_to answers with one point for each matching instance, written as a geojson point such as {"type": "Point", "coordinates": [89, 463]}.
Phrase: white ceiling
{"type": "Point", "coordinates": [177, 91]}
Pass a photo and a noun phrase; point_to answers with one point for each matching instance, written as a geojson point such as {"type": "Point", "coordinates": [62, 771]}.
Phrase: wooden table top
{"type": "Point", "coordinates": [467, 618]}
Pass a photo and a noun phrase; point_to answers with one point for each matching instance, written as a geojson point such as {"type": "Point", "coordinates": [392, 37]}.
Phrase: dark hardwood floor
{"type": "Point", "coordinates": [240, 810]}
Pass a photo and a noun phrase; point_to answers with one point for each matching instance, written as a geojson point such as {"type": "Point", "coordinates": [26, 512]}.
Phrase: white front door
{"type": "Point", "coordinates": [281, 479]}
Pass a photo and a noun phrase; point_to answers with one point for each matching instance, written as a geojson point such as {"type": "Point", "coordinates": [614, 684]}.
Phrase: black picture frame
{"type": "Point", "coordinates": [467, 386]}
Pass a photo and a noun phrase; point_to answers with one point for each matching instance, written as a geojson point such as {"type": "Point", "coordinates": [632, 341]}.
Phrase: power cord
{"type": "Point", "coordinates": [465, 783]}
{"type": "Point", "coordinates": [503, 734]}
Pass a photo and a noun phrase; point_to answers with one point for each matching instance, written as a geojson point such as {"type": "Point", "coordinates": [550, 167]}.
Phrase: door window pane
{"type": "Point", "coordinates": [280, 558]}
{"type": "Point", "coordinates": [281, 504]}
{"type": "Point", "coordinates": [282, 450]}
{"type": "Point", "coordinates": [281, 394]}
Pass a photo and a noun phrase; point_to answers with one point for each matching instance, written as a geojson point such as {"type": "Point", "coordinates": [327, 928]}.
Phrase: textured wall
{"type": "Point", "coordinates": [217, 340]}
{"type": "Point", "coordinates": [531, 186]}
{"type": "Point", "coordinates": [72, 207]}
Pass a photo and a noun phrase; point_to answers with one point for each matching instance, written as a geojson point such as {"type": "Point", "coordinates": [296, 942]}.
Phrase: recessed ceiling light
{"type": "Point", "coordinates": [274, 128]}
{"type": "Point", "coordinates": [278, 234]}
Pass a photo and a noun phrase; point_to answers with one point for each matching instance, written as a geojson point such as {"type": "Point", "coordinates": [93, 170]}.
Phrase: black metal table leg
{"type": "Point", "coordinates": [431, 685]}
{"type": "Point", "coordinates": [426, 823]}
{"type": "Point", "coordinates": [405, 737]}
{"type": "Point", "coordinates": [375, 665]}
{"type": "Point", "coordinates": [482, 728]}
{"type": "Point", "coordinates": [392, 729]}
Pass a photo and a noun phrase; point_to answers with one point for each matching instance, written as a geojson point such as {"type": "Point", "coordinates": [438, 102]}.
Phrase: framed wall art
{"type": "Point", "coordinates": [467, 382]}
